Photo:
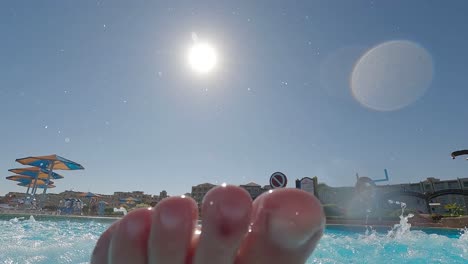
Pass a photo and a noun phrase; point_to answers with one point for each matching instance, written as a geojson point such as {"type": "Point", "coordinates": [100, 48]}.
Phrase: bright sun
{"type": "Point", "coordinates": [202, 57]}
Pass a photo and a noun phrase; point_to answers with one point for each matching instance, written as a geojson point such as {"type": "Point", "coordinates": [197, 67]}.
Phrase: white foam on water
{"type": "Point", "coordinates": [399, 245]}
{"type": "Point", "coordinates": [50, 242]}
{"type": "Point", "coordinates": [72, 241]}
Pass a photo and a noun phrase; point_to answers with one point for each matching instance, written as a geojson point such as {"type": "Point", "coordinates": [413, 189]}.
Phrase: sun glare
{"type": "Point", "coordinates": [202, 57]}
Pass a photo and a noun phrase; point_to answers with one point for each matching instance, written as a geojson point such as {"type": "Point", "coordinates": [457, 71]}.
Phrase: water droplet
{"type": "Point", "coordinates": [59, 132]}
{"type": "Point", "coordinates": [194, 36]}
{"type": "Point", "coordinates": [67, 140]}
{"type": "Point", "coordinates": [250, 229]}
{"type": "Point", "coordinates": [160, 74]}
{"type": "Point", "coordinates": [124, 101]}
{"type": "Point", "coordinates": [248, 89]}
{"type": "Point", "coordinates": [46, 126]}
{"type": "Point", "coordinates": [104, 26]}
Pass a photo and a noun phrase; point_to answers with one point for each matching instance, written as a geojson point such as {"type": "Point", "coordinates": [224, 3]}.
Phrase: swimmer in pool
{"type": "Point", "coordinates": [279, 227]}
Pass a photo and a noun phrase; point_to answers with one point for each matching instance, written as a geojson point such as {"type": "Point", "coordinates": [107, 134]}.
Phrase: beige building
{"type": "Point", "coordinates": [199, 192]}
{"type": "Point", "coordinates": [253, 189]}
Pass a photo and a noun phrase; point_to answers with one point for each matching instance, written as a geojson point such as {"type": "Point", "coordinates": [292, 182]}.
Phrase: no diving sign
{"type": "Point", "coordinates": [278, 180]}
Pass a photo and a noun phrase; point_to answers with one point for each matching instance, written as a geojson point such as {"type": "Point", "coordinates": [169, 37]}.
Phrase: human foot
{"type": "Point", "coordinates": [280, 226]}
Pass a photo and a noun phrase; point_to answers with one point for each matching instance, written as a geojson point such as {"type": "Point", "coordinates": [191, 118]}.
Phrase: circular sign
{"type": "Point", "coordinates": [278, 180]}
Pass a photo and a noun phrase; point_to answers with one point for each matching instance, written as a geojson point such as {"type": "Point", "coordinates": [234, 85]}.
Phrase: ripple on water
{"type": "Point", "coordinates": [413, 247]}
{"type": "Point", "coordinates": [50, 242]}
{"type": "Point", "coordinates": [70, 241]}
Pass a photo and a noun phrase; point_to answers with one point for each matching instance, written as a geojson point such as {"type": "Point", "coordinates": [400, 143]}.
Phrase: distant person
{"type": "Point", "coordinates": [281, 227]}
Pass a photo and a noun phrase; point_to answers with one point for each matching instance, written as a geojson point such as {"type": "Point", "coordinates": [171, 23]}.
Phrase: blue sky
{"type": "Point", "coordinates": [106, 84]}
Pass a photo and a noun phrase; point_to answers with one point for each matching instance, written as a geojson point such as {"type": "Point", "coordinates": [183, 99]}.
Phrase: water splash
{"type": "Point", "coordinates": [368, 228]}
{"type": "Point", "coordinates": [72, 241]}
{"type": "Point", "coordinates": [403, 228]}
{"type": "Point", "coordinates": [462, 242]}
{"type": "Point", "coordinates": [25, 240]}
{"type": "Point", "coordinates": [14, 220]}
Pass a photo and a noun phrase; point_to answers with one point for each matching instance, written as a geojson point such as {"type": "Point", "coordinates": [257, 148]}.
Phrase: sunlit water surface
{"type": "Point", "coordinates": [61, 240]}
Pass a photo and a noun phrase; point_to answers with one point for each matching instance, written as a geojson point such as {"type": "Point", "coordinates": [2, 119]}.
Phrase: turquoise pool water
{"type": "Point", "coordinates": [61, 240]}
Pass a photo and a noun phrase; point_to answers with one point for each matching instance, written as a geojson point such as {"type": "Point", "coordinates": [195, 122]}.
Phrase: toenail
{"type": "Point", "coordinates": [170, 218]}
{"type": "Point", "coordinates": [288, 230]}
{"type": "Point", "coordinates": [134, 227]}
{"type": "Point", "coordinates": [233, 210]}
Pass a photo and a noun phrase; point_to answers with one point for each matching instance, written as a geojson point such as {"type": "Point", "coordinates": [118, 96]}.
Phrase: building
{"type": "Point", "coordinates": [54, 200]}
{"type": "Point", "coordinates": [381, 200]}
{"type": "Point", "coordinates": [199, 192]}
{"type": "Point", "coordinates": [253, 189]}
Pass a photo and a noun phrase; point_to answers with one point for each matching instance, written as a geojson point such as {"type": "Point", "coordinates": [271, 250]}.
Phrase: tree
{"type": "Point", "coordinates": [454, 209]}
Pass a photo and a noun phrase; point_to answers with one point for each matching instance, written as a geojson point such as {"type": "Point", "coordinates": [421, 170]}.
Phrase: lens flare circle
{"type": "Point", "coordinates": [392, 75]}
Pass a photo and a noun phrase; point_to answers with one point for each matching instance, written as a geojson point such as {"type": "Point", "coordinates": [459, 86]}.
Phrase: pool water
{"type": "Point", "coordinates": [62, 240]}
{"type": "Point", "coordinates": [358, 245]}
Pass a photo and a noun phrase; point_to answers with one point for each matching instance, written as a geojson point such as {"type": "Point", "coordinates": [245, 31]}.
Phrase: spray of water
{"type": "Point", "coordinates": [403, 228]}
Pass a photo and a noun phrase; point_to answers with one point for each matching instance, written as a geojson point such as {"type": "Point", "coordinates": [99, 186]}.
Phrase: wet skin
{"type": "Point", "coordinates": [280, 226]}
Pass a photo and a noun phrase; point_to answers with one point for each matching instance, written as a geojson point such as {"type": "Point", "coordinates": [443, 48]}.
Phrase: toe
{"type": "Point", "coordinates": [286, 227]}
{"type": "Point", "coordinates": [226, 216]}
{"type": "Point", "coordinates": [101, 250]}
{"type": "Point", "coordinates": [172, 228]}
{"type": "Point", "coordinates": [129, 242]}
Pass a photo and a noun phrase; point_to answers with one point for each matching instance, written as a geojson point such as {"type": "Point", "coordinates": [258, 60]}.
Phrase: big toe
{"type": "Point", "coordinates": [286, 226]}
